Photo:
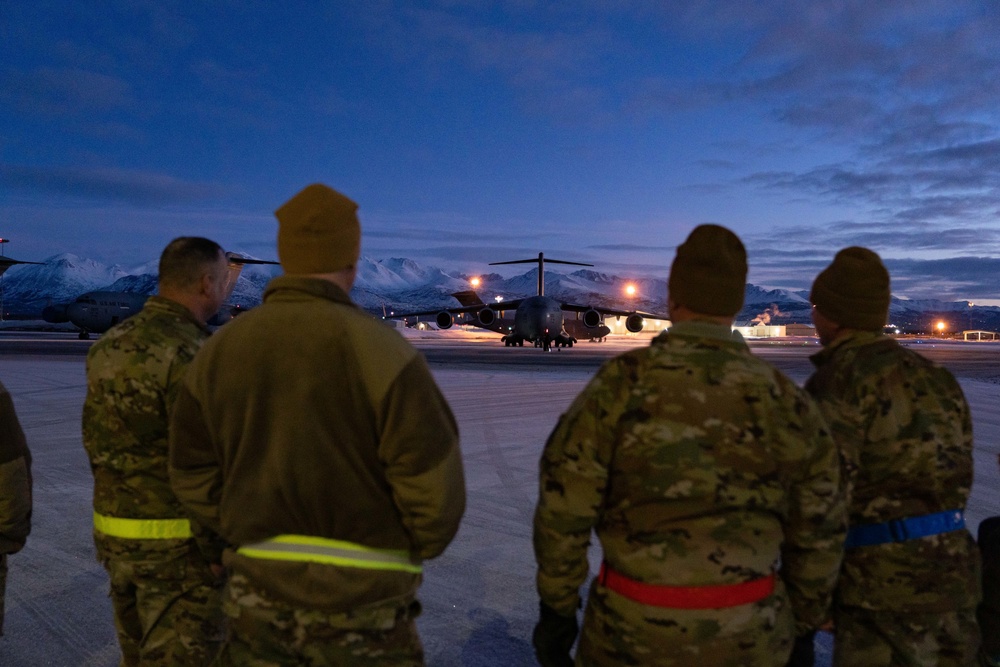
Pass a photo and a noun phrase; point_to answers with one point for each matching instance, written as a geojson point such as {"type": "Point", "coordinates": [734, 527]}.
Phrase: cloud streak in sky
{"type": "Point", "coordinates": [103, 184]}
{"type": "Point", "coordinates": [591, 130]}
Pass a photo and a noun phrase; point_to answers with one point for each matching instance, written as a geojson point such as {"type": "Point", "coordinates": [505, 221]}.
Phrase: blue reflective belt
{"type": "Point", "coordinates": [901, 530]}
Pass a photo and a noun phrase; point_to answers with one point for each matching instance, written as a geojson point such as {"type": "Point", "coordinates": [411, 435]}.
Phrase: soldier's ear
{"type": "Point", "coordinates": [206, 284]}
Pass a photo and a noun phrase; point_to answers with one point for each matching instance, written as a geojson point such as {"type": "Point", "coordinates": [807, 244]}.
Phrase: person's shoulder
{"type": "Point", "coordinates": [369, 331]}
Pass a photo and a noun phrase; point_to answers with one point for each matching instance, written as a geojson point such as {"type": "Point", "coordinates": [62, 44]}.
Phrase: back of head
{"type": "Point", "coordinates": [318, 231]}
{"type": "Point", "coordinates": [185, 260]}
{"type": "Point", "coordinates": [854, 290]}
{"type": "Point", "coordinates": [709, 273]}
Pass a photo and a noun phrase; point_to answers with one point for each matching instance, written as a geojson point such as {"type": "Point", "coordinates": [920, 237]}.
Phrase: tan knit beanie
{"type": "Point", "coordinates": [854, 290]}
{"type": "Point", "coordinates": [318, 231]}
{"type": "Point", "coordinates": [709, 274]}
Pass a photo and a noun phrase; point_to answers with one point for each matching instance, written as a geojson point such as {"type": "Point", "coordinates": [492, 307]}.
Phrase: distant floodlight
{"type": "Point", "coordinates": [498, 298]}
{"type": "Point", "coordinates": [630, 289]}
{"type": "Point", "coordinates": [475, 282]}
{"type": "Point", "coordinates": [940, 326]}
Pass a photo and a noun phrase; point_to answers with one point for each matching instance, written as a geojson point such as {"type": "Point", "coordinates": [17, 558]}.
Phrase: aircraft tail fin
{"type": "Point", "coordinates": [541, 267]}
{"type": "Point", "coordinates": [235, 268]}
{"type": "Point", "coordinates": [7, 262]}
{"type": "Point", "coordinates": [468, 298]}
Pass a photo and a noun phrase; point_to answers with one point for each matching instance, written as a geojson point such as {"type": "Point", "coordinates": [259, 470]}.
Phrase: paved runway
{"type": "Point", "coordinates": [479, 597]}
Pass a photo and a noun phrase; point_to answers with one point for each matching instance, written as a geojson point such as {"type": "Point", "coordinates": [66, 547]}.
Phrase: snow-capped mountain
{"type": "Point", "coordinates": [28, 287]}
{"type": "Point", "coordinates": [403, 285]}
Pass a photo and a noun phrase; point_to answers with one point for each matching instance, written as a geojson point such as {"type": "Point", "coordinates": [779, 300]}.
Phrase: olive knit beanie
{"type": "Point", "coordinates": [854, 290]}
{"type": "Point", "coordinates": [318, 231]}
{"type": "Point", "coordinates": [709, 273]}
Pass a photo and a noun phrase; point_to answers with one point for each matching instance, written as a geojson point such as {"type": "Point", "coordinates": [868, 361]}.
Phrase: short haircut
{"type": "Point", "coordinates": [186, 259]}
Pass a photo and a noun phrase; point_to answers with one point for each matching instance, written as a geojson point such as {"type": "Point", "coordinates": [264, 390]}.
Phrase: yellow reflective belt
{"type": "Point", "coordinates": [330, 552]}
{"type": "Point", "coordinates": [142, 529]}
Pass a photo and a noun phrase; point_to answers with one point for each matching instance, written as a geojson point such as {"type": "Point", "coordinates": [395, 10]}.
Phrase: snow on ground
{"type": "Point", "coordinates": [479, 598]}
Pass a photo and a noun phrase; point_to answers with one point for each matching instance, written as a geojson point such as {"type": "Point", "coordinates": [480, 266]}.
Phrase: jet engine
{"type": "Point", "coordinates": [634, 322]}
{"type": "Point", "coordinates": [444, 320]}
{"type": "Point", "coordinates": [55, 314]}
{"type": "Point", "coordinates": [592, 318]}
{"type": "Point", "coordinates": [486, 316]}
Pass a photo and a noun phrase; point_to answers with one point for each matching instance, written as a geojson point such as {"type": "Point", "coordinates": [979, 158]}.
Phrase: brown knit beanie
{"type": "Point", "coordinates": [709, 274]}
{"type": "Point", "coordinates": [318, 231]}
{"type": "Point", "coordinates": [854, 290]}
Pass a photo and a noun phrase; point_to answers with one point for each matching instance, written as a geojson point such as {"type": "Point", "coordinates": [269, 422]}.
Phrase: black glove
{"type": "Point", "coordinates": [553, 637]}
{"type": "Point", "coordinates": [804, 651]}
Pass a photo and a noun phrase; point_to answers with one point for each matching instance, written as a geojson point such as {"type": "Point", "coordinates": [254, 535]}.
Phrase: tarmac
{"type": "Point", "coordinates": [479, 597]}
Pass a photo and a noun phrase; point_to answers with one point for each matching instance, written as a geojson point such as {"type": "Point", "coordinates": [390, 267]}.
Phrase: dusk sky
{"type": "Point", "coordinates": [470, 132]}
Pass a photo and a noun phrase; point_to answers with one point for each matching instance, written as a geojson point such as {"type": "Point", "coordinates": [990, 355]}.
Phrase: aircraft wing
{"type": "Point", "coordinates": [576, 308]}
{"type": "Point", "coordinates": [499, 307]}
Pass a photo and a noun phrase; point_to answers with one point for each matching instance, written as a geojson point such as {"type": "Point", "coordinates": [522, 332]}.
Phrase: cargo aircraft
{"type": "Point", "coordinates": [537, 319]}
{"type": "Point", "coordinates": [96, 312]}
{"type": "Point", "coordinates": [6, 263]}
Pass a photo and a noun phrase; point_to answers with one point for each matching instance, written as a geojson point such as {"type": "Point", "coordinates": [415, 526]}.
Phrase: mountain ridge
{"type": "Point", "coordinates": [399, 284]}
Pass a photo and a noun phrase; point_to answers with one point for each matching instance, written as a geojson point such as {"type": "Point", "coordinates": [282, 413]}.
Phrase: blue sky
{"type": "Point", "coordinates": [471, 132]}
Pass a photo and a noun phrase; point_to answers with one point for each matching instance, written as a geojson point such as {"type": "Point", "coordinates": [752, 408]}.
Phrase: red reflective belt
{"type": "Point", "coordinates": [687, 597]}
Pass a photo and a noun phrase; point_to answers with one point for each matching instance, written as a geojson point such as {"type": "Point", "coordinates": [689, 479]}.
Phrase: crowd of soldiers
{"type": "Point", "coordinates": [267, 495]}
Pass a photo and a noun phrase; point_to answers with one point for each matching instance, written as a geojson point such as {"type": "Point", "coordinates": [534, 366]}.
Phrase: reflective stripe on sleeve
{"type": "Point", "coordinates": [143, 529]}
{"type": "Point", "coordinates": [305, 548]}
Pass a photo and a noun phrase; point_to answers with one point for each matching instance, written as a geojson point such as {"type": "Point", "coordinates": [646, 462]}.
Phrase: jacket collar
{"type": "Point", "coordinates": [315, 287]}
{"type": "Point", "coordinates": [699, 329]}
{"type": "Point", "coordinates": [847, 341]}
{"type": "Point", "coordinates": [159, 304]}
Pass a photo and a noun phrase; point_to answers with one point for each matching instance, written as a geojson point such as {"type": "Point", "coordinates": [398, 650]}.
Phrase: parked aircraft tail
{"type": "Point", "coordinates": [236, 264]}
{"type": "Point", "coordinates": [541, 268]}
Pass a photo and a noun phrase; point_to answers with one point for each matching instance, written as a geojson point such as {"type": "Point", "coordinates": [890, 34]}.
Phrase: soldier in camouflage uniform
{"type": "Point", "coordinates": [164, 570]}
{"type": "Point", "coordinates": [712, 485]}
{"type": "Point", "coordinates": [909, 584]}
{"type": "Point", "coordinates": [15, 489]}
{"type": "Point", "coordinates": [988, 613]}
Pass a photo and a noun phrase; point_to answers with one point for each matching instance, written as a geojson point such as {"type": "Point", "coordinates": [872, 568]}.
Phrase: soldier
{"type": "Point", "coordinates": [164, 570]}
{"type": "Point", "coordinates": [315, 441]}
{"type": "Point", "coordinates": [988, 613]}
{"type": "Point", "coordinates": [909, 584]}
{"type": "Point", "coordinates": [15, 489]}
{"type": "Point", "coordinates": [702, 469]}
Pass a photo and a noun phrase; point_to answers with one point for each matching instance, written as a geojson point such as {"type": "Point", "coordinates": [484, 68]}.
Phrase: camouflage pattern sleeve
{"type": "Point", "coordinates": [573, 478]}
{"type": "Point", "coordinates": [817, 522]}
{"type": "Point", "coordinates": [904, 429]}
{"type": "Point", "coordinates": [132, 374]}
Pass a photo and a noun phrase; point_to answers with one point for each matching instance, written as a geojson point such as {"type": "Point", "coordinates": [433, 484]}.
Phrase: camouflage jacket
{"type": "Point", "coordinates": [697, 464]}
{"type": "Point", "coordinates": [133, 373]}
{"type": "Point", "coordinates": [905, 432]}
{"type": "Point", "coordinates": [15, 479]}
